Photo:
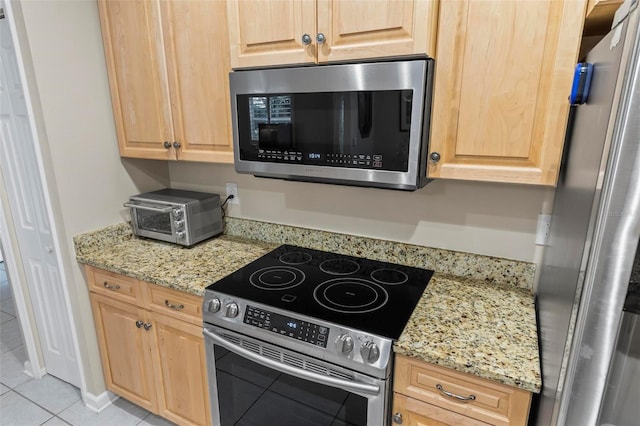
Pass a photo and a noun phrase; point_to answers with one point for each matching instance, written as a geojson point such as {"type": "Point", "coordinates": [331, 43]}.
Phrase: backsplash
{"type": "Point", "coordinates": [479, 267]}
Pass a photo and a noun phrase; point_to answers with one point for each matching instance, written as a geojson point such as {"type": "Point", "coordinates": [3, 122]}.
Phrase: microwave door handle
{"type": "Point", "coordinates": [152, 209]}
{"type": "Point", "coordinates": [284, 368]}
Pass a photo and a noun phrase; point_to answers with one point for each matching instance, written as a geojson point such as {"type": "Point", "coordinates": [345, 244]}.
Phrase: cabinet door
{"type": "Point", "coordinates": [360, 29]}
{"type": "Point", "coordinates": [180, 370]}
{"type": "Point", "coordinates": [197, 55]}
{"type": "Point", "coordinates": [137, 77]}
{"type": "Point", "coordinates": [124, 348]}
{"type": "Point", "coordinates": [269, 32]}
{"type": "Point", "coordinates": [418, 413]}
{"type": "Point", "coordinates": [503, 74]}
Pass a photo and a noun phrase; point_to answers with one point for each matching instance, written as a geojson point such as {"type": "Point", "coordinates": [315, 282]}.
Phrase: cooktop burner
{"type": "Point", "coordinates": [375, 297]}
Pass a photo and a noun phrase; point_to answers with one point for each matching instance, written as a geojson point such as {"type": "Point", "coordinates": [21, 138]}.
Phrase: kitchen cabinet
{"type": "Point", "coordinates": [278, 32]}
{"type": "Point", "coordinates": [504, 71]}
{"type": "Point", "coordinates": [420, 397]}
{"type": "Point", "coordinates": [151, 346]}
{"type": "Point", "coordinates": [168, 65]}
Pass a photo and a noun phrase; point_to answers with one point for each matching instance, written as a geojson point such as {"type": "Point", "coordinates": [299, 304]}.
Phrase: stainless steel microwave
{"type": "Point", "coordinates": [364, 124]}
{"type": "Point", "coordinates": [176, 216]}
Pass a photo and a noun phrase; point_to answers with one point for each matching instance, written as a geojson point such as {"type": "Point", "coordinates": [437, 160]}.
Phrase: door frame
{"type": "Point", "coordinates": [22, 298]}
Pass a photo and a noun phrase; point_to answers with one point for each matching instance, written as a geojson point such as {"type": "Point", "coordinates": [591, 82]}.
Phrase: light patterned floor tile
{"type": "Point", "coordinates": [50, 393]}
{"type": "Point", "coordinates": [120, 413]}
{"type": "Point", "coordinates": [12, 367]}
{"type": "Point", "coordinates": [153, 420]}
{"type": "Point", "coordinates": [18, 411]}
{"type": "Point", "coordinates": [10, 336]}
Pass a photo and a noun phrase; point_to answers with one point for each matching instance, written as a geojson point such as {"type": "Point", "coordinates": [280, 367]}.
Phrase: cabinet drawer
{"type": "Point", "coordinates": [493, 403]}
{"type": "Point", "coordinates": [113, 285]}
{"type": "Point", "coordinates": [178, 304]}
{"type": "Point", "coordinates": [418, 413]}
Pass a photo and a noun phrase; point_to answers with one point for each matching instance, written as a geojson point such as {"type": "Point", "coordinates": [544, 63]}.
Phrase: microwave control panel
{"type": "Point", "coordinates": [366, 161]}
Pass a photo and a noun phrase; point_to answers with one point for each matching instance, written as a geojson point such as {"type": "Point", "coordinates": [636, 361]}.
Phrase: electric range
{"type": "Point", "coordinates": [342, 309]}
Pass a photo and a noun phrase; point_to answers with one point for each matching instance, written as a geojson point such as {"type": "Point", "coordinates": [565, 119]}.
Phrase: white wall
{"type": "Point", "coordinates": [485, 218]}
{"type": "Point", "coordinates": [88, 181]}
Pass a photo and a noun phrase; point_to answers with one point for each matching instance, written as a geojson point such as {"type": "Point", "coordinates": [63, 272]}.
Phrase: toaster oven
{"type": "Point", "coordinates": [176, 216]}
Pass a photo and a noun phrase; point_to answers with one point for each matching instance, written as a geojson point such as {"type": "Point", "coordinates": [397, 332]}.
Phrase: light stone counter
{"type": "Point", "coordinates": [476, 316]}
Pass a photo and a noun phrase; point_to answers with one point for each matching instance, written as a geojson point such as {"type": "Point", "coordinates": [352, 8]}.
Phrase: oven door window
{"type": "Point", "coordinates": [154, 221]}
{"type": "Point", "coordinates": [356, 129]}
{"type": "Point", "coordinates": [250, 394]}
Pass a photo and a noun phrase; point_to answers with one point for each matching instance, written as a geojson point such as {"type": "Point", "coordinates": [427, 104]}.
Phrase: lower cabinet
{"type": "Point", "coordinates": [430, 395]}
{"type": "Point", "coordinates": [152, 353]}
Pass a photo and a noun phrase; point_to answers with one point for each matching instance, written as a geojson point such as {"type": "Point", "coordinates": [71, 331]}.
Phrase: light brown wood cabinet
{"type": "Point", "coordinates": [268, 33]}
{"type": "Point", "coordinates": [168, 65]}
{"type": "Point", "coordinates": [151, 346]}
{"type": "Point", "coordinates": [504, 71]}
{"type": "Point", "coordinates": [419, 397]}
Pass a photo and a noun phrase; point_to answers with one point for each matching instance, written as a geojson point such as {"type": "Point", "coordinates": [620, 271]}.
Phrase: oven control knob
{"type": "Point", "coordinates": [180, 235]}
{"type": "Point", "coordinates": [344, 344]}
{"type": "Point", "coordinates": [178, 213]}
{"type": "Point", "coordinates": [370, 352]}
{"type": "Point", "coordinates": [231, 310]}
{"type": "Point", "coordinates": [179, 225]}
{"type": "Point", "coordinates": [214, 305]}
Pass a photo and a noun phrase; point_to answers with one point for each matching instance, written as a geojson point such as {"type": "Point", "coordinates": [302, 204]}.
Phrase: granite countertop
{"type": "Point", "coordinates": [488, 330]}
{"type": "Point", "coordinates": [482, 323]}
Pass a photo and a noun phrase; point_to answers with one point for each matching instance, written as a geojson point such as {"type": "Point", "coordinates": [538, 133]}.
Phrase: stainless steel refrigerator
{"type": "Point", "coordinates": [589, 341]}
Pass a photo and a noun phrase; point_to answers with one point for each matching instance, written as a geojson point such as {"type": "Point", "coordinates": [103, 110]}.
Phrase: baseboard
{"type": "Point", "coordinates": [97, 403]}
{"type": "Point", "coordinates": [30, 371]}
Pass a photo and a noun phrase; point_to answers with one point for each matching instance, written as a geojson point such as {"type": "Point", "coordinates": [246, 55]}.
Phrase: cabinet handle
{"type": "Point", "coordinates": [320, 38]}
{"type": "Point", "coordinates": [176, 307]}
{"type": "Point", "coordinates": [113, 287]}
{"type": "Point", "coordinates": [167, 144]}
{"type": "Point", "coordinates": [434, 157]}
{"type": "Point", "coordinates": [176, 145]}
{"type": "Point", "coordinates": [306, 39]}
{"type": "Point", "coordinates": [453, 395]}
{"type": "Point", "coordinates": [139, 323]}
{"type": "Point", "coordinates": [397, 418]}
{"type": "Point", "coordinates": [147, 326]}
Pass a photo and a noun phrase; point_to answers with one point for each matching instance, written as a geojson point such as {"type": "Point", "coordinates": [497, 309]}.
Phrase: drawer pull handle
{"type": "Point", "coordinates": [147, 325]}
{"type": "Point", "coordinates": [139, 323]}
{"type": "Point", "coordinates": [176, 307]}
{"type": "Point", "coordinates": [113, 287]}
{"type": "Point", "coordinates": [453, 395]}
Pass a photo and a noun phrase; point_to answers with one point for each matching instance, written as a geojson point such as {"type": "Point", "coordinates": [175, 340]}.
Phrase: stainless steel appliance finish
{"type": "Point", "coordinates": [370, 129]}
{"type": "Point", "coordinates": [594, 234]}
{"type": "Point", "coordinates": [308, 333]}
{"type": "Point", "coordinates": [176, 216]}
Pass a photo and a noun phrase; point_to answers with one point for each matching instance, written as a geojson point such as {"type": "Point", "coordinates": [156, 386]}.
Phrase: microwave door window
{"type": "Point", "coordinates": [350, 129]}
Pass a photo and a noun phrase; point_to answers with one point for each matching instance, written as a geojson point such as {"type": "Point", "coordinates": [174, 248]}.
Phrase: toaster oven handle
{"type": "Point", "coordinates": [153, 209]}
{"type": "Point", "coordinates": [284, 368]}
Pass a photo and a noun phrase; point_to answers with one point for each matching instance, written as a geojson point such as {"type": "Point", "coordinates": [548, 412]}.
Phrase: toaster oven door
{"type": "Point", "coordinates": [153, 221]}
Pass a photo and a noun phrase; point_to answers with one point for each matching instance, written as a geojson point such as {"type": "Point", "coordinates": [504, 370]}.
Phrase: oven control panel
{"type": "Point", "coordinates": [287, 326]}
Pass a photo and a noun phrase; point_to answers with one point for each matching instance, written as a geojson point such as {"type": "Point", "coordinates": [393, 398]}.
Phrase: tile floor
{"type": "Point", "coordinates": [49, 401]}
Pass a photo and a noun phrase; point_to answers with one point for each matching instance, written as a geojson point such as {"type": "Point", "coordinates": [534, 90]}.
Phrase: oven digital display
{"type": "Point", "coordinates": [286, 326]}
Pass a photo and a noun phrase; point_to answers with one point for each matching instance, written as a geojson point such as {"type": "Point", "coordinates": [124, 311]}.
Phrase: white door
{"type": "Point", "coordinates": [21, 173]}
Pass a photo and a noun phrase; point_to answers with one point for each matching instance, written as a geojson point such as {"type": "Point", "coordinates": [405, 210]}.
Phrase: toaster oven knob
{"type": "Point", "coordinates": [232, 310]}
{"type": "Point", "coordinates": [214, 305]}
{"type": "Point", "coordinates": [344, 344]}
{"type": "Point", "coordinates": [179, 224]}
{"type": "Point", "coordinates": [177, 213]}
{"type": "Point", "coordinates": [370, 352]}
{"type": "Point", "coordinates": [180, 235]}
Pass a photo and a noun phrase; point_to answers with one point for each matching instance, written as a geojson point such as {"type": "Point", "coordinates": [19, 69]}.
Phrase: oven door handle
{"type": "Point", "coordinates": [283, 368]}
{"type": "Point", "coordinates": [150, 208]}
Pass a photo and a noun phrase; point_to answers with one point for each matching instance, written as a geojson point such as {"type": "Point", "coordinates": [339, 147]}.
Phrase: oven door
{"type": "Point", "coordinates": [153, 221]}
{"type": "Point", "coordinates": [255, 383]}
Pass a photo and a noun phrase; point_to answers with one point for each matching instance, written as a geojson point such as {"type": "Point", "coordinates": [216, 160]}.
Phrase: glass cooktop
{"type": "Point", "coordinates": [375, 297]}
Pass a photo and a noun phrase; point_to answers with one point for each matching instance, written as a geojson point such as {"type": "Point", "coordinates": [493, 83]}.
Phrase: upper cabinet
{"type": "Point", "coordinates": [168, 65]}
{"type": "Point", "coordinates": [504, 71]}
{"type": "Point", "coordinates": [280, 32]}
